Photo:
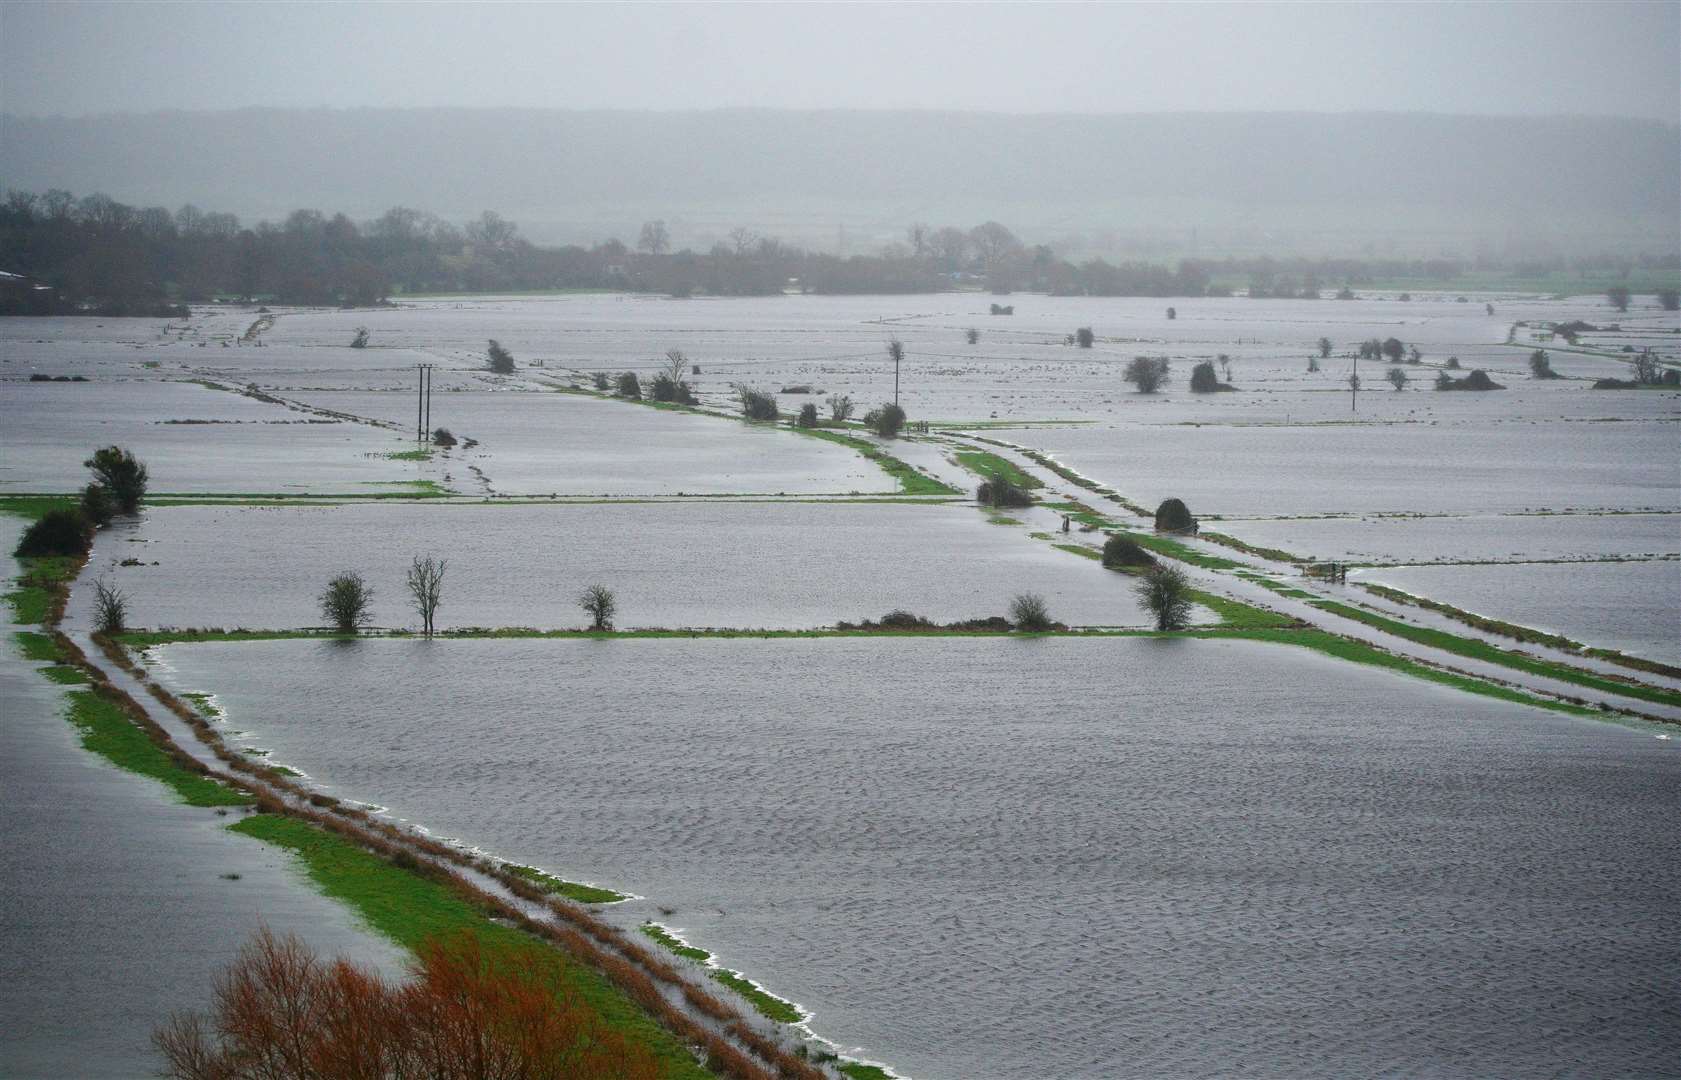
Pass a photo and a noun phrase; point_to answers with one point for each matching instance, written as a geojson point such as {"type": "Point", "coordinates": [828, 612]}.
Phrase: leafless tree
{"type": "Point", "coordinates": [426, 587]}
{"type": "Point", "coordinates": [600, 605]}
{"type": "Point", "coordinates": [743, 239]}
{"type": "Point", "coordinates": [655, 239]}
{"type": "Point", "coordinates": [917, 235]}
{"type": "Point", "coordinates": [676, 365]}
{"type": "Point", "coordinates": [110, 607]}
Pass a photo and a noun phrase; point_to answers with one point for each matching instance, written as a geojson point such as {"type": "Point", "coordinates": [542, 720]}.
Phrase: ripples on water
{"type": "Point", "coordinates": [1003, 858]}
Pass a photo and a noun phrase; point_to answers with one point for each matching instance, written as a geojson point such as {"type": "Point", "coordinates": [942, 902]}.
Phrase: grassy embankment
{"type": "Point", "coordinates": [766, 1004]}
{"type": "Point", "coordinates": [582, 894]}
{"type": "Point", "coordinates": [1473, 649]}
{"type": "Point", "coordinates": [986, 465]}
{"type": "Point", "coordinates": [409, 909]}
{"type": "Point", "coordinates": [911, 482]}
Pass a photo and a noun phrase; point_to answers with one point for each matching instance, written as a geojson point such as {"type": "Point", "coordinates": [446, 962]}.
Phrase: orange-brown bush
{"type": "Point", "coordinates": [281, 1012]}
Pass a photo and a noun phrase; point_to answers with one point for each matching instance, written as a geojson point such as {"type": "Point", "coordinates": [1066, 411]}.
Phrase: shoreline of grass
{"type": "Point", "coordinates": [1474, 649]}
{"type": "Point", "coordinates": [764, 1002]}
{"type": "Point", "coordinates": [106, 731]}
{"type": "Point", "coordinates": [910, 481]}
{"type": "Point", "coordinates": [571, 890]}
{"type": "Point", "coordinates": [985, 464]}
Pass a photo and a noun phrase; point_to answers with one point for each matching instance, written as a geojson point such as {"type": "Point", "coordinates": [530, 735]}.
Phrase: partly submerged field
{"type": "Point", "coordinates": [1000, 856]}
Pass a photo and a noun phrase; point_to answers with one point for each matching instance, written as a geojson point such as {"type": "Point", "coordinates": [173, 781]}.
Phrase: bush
{"type": "Point", "coordinates": [1120, 552]}
{"type": "Point", "coordinates": [110, 607]}
{"type": "Point", "coordinates": [501, 360]}
{"type": "Point", "coordinates": [1204, 381]}
{"type": "Point", "coordinates": [756, 404]}
{"type": "Point", "coordinates": [1477, 380]}
{"type": "Point", "coordinates": [998, 493]}
{"type": "Point", "coordinates": [663, 387]}
{"type": "Point", "coordinates": [601, 381]}
{"type": "Point", "coordinates": [1541, 365]}
{"type": "Point", "coordinates": [808, 416]}
{"type": "Point", "coordinates": [1002, 309]}
{"type": "Point", "coordinates": [443, 437]}
{"type": "Point", "coordinates": [600, 605]}
{"type": "Point", "coordinates": [1030, 613]}
{"type": "Point", "coordinates": [1148, 373]}
{"type": "Point", "coordinates": [972, 336]}
{"type": "Point", "coordinates": [1172, 313]}
{"type": "Point", "coordinates": [904, 620]}
{"type": "Point", "coordinates": [1083, 337]}
{"type": "Point", "coordinates": [57, 532]}
{"type": "Point", "coordinates": [840, 407]}
{"type": "Point", "coordinates": [1397, 378]}
{"type": "Point", "coordinates": [122, 475]}
{"type": "Point", "coordinates": [886, 421]}
{"type": "Point", "coordinates": [360, 341]}
{"type": "Point", "coordinates": [1453, 363]}
{"type": "Point", "coordinates": [798, 388]}
{"type": "Point", "coordinates": [1173, 516]}
{"type": "Point", "coordinates": [1167, 594]}
{"type": "Point", "coordinates": [630, 386]}
{"type": "Point", "coordinates": [96, 505]}
{"type": "Point", "coordinates": [345, 600]}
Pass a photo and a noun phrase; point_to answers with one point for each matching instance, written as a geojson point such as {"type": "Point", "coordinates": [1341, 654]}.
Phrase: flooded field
{"type": "Point", "coordinates": [1032, 851]}
{"type": "Point", "coordinates": [1467, 537]}
{"type": "Point", "coordinates": [691, 564]}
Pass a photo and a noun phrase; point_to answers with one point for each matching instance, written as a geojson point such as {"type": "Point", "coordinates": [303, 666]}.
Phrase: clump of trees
{"type": "Point", "coordinates": [1167, 594]}
{"type": "Point", "coordinates": [997, 492]}
{"type": "Point", "coordinates": [1147, 373]}
{"type": "Point", "coordinates": [886, 421]}
{"type": "Point", "coordinates": [57, 532]}
{"type": "Point", "coordinates": [1541, 365]}
{"type": "Point", "coordinates": [501, 360]}
{"type": "Point", "coordinates": [600, 605]}
{"type": "Point", "coordinates": [1205, 381]}
{"type": "Point", "coordinates": [664, 388]}
{"type": "Point", "coordinates": [1123, 552]}
{"type": "Point", "coordinates": [119, 486]}
{"type": "Point", "coordinates": [1174, 516]}
{"type": "Point", "coordinates": [345, 602]}
{"type": "Point", "coordinates": [1477, 380]}
{"type": "Point", "coordinates": [756, 404]}
{"type": "Point", "coordinates": [629, 386]}
{"type": "Point", "coordinates": [466, 1013]}
{"type": "Point", "coordinates": [1031, 614]}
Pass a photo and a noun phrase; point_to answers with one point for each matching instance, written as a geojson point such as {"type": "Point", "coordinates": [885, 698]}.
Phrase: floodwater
{"type": "Point", "coordinates": [1466, 537]}
{"type": "Point", "coordinates": [687, 564]}
{"type": "Point", "coordinates": [1068, 857]}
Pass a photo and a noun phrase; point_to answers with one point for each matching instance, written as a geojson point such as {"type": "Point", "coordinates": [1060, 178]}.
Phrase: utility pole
{"type": "Point", "coordinates": [896, 349]}
{"type": "Point", "coordinates": [423, 403]}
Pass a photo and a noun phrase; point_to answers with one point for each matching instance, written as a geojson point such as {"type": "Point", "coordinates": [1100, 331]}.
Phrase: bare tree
{"type": "Point", "coordinates": [655, 240]}
{"type": "Point", "coordinates": [426, 587]}
{"type": "Point", "coordinates": [110, 607]}
{"type": "Point", "coordinates": [676, 365]}
{"type": "Point", "coordinates": [600, 605]}
{"type": "Point", "coordinates": [743, 239]}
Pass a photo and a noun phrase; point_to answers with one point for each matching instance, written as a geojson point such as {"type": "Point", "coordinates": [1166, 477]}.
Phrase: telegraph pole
{"type": "Point", "coordinates": [423, 403]}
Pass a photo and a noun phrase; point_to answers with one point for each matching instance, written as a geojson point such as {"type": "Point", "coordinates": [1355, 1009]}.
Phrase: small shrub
{"type": "Point", "coordinates": [1003, 309]}
{"type": "Point", "coordinates": [756, 404]}
{"type": "Point", "coordinates": [1030, 613]}
{"type": "Point", "coordinates": [1172, 313]}
{"type": "Point", "coordinates": [808, 416]}
{"type": "Point", "coordinates": [1083, 337]}
{"type": "Point", "coordinates": [96, 505]}
{"type": "Point", "coordinates": [1173, 516]}
{"type": "Point", "coordinates": [1477, 380]}
{"type": "Point", "coordinates": [1541, 365]}
{"type": "Point", "coordinates": [110, 607]}
{"type": "Point", "coordinates": [360, 341]}
{"type": "Point", "coordinates": [1167, 594]}
{"type": "Point", "coordinates": [630, 386]}
{"type": "Point", "coordinates": [1397, 378]}
{"type": "Point", "coordinates": [345, 600]}
{"type": "Point", "coordinates": [998, 493]}
{"type": "Point", "coordinates": [443, 437]}
{"type": "Point", "coordinates": [1123, 551]}
{"type": "Point", "coordinates": [1453, 363]}
{"type": "Point", "coordinates": [601, 381]}
{"type": "Point", "coordinates": [886, 421]}
{"type": "Point", "coordinates": [1204, 381]}
{"type": "Point", "coordinates": [600, 605]}
{"type": "Point", "coordinates": [501, 360]}
{"type": "Point", "coordinates": [1148, 373]}
{"type": "Point", "coordinates": [663, 387]}
{"type": "Point", "coordinates": [972, 336]}
{"type": "Point", "coordinates": [57, 532]}
{"type": "Point", "coordinates": [122, 475]}
{"type": "Point", "coordinates": [840, 407]}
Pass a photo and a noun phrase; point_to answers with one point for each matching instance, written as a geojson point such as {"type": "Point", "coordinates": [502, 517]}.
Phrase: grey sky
{"type": "Point", "coordinates": [75, 58]}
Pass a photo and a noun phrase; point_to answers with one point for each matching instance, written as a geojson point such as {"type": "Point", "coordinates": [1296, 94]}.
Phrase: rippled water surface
{"type": "Point", "coordinates": [1009, 858]}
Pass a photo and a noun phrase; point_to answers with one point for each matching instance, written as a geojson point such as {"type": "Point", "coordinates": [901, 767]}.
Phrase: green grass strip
{"type": "Point", "coordinates": [766, 1004]}
{"type": "Point", "coordinates": [857, 1070]}
{"type": "Point", "coordinates": [910, 481]}
{"type": "Point", "coordinates": [409, 909]}
{"type": "Point", "coordinates": [984, 464]}
{"type": "Point", "coordinates": [583, 894]}
{"type": "Point", "coordinates": [1482, 650]}
{"type": "Point", "coordinates": [672, 944]}
{"type": "Point", "coordinates": [35, 507]}
{"type": "Point", "coordinates": [107, 731]}
{"type": "Point", "coordinates": [38, 647]}
{"type": "Point", "coordinates": [65, 675]}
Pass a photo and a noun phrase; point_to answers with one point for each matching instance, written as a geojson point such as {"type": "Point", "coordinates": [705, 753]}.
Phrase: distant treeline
{"type": "Point", "coordinates": [61, 254]}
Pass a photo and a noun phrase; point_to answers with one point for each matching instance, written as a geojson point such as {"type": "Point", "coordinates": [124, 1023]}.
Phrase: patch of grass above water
{"type": "Point", "coordinates": [911, 482]}
{"type": "Point", "coordinates": [583, 894]}
{"type": "Point", "coordinates": [985, 464]}
{"type": "Point", "coordinates": [764, 1003]}
{"type": "Point", "coordinates": [408, 909]}
{"type": "Point", "coordinates": [35, 507]}
{"type": "Point", "coordinates": [108, 732]}
{"type": "Point", "coordinates": [671, 943]}
{"type": "Point", "coordinates": [409, 455]}
{"type": "Point", "coordinates": [1474, 649]}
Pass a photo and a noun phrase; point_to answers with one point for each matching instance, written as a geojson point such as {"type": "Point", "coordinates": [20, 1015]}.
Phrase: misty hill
{"type": "Point", "coordinates": [1160, 184]}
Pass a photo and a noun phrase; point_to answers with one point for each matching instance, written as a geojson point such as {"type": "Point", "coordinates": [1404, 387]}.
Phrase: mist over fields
{"type": "Point", "coordinates": [1161, 185]}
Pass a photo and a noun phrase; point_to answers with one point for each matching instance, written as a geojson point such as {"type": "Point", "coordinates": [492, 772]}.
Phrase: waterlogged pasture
{"type": "Point", "coordinates": [547, 443]}
{"type": "Point", "coordinates": [1465, 538]}
{"type": "Point", "coordinates": [1068, 857]}
{"type": "Point", "coordinates": [1366, 468]}
{"type": "Point", "coordinates": [671, 564]}
{"type": "Point", "coordinates": [1634, 606]}
{"type": "Point", "coordinates": [192, 438]}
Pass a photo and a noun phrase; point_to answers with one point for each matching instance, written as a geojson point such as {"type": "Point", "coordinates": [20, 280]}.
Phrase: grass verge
{"type": "Point", "coordinates": [583, 894]}
{"type": "Point", "coordinates": [910, 481]}
{"type": "Point", "coordinates": [110, 734]}
{"type": "Point", "coordinates": [764, 1003]}
{"type": "Point", "coordinates": [1473, 649]}
{"type": "Point", "coordinates": [408, 908]}
{"type": "Point", "coordinates": [985, 465]}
